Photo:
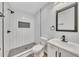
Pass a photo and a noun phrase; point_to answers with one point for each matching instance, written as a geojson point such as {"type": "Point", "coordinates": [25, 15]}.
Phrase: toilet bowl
{"type": "Point", "coordinates": [39, 49]}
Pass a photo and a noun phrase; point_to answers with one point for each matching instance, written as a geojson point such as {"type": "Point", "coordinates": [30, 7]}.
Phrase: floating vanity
{"type": "Point", "coordinates": [58, 48]}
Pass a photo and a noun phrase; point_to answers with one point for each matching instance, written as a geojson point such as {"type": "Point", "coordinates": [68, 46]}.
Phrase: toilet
{"type": "Point", "coordinates": [39, 49]}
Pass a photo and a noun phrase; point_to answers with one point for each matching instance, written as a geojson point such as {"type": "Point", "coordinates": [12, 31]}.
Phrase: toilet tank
{"type": "Point", "coordinates": [43, 40]}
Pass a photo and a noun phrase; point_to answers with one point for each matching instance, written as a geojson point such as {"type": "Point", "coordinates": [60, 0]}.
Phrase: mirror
{"type": "Point", "coordinates": [66, 18]}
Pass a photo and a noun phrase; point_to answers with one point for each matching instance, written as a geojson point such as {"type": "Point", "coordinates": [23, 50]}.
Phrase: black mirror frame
{"type": "Point", "coordinates": [75, 5]}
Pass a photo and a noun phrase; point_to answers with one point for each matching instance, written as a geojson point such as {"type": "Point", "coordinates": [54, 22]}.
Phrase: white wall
{"type": "Point", "coordinates": [37, 28]}
{"type": "Point", "coordinates": [6, 38]}
{"type": "Point", "coordinates": [49, 19]}
{"type": "Point", "coordinates": [45, 21]}
{"type": "Point", "coordinates": [21, 36]}
{"type": "Point", "coordinates": [18, 36]}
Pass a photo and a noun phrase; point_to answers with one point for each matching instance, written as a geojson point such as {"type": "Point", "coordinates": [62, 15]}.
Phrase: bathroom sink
{"type": "Point", "coordinates": [73, 45]}
{"type": "Point", "coordinates": [61, 44]}
{"type": "Point", "coordinates": [68, 46]}
{"type": "Point", "coordinates": [57, 42]}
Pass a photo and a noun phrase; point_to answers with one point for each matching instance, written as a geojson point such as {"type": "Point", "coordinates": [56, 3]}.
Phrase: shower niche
{"type": "Point", "coordinates": [66, 18]}
{"type": "Point", "coordinates": [23, 24]}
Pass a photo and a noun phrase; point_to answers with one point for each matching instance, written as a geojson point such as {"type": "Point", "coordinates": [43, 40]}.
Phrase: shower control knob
{"type": "Point", "coordinates": [8, 31]}
{"type": "Point", "coordinates": [1, 14]}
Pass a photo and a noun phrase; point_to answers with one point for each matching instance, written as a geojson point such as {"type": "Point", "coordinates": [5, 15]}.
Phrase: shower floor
{"type": "Point", "coordinates": [21, 49]}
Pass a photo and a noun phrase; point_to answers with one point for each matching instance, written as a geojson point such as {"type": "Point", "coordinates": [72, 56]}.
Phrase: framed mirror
{"type": "Point", "coordinates": [66, 18]}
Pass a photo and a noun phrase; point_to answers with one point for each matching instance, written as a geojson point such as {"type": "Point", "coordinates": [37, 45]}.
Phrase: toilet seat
{"type": "Point", "coordinates": [38, 48]}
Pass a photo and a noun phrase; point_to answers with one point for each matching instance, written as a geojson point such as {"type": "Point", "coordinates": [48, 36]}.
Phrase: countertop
{"type": "Point", "coordinates": [67, 46]}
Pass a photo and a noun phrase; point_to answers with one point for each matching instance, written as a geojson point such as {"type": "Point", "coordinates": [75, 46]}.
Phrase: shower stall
{"type": "Point", "coordinates": [16, 39]}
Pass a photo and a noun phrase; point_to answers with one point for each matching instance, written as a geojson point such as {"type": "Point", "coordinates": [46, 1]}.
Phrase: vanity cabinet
{"type": "Point", "coordinates": [64, 53]}
{"type": "Point", "coordinates": [58, 52]}
{"type": "Point", "coordinates": [0, 53]}
{"type": "Point", "coordinates": [52, 51]}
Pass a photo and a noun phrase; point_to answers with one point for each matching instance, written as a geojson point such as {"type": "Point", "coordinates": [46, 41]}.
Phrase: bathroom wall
{"type": "Point", "coordinates": [45, 21]}
{"type": "Point", "coordinates": [6, 37]}
{"type": "Point", "coordinates": [45, 15]}
{"type": "Point", "coordinates": [49, 19]}
{"type": "Point", "coordinates": [18, 36]}
{"type": "Point", "coordinates": [37, 27]}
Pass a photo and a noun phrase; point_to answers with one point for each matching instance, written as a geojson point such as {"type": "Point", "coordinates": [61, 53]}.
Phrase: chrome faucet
{"type": "Point", "coordinates": [63, 38]}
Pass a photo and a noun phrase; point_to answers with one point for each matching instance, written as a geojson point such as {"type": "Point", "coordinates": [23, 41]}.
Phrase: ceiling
{"type": "Point", "coordinates": [28, 7]}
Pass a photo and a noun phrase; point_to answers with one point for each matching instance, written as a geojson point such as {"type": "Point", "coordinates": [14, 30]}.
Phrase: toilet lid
{"type": "Point", "coordinates": [38, 48]}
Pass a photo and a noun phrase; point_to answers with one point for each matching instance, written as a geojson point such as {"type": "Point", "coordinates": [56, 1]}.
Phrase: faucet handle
{"type": "Point", "coordinates": [63, 36]}
{"type": "Point", "coordinates": [64, 39]}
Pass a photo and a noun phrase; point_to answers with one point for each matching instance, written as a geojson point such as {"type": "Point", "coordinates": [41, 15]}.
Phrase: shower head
{"type": "Point", "coordinates": [11, 11]}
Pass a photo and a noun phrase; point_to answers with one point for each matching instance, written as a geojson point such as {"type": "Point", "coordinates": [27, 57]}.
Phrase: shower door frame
{"type": "Point", "coordinates": [3, 30]}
